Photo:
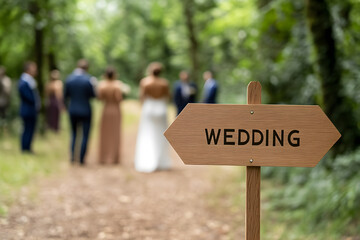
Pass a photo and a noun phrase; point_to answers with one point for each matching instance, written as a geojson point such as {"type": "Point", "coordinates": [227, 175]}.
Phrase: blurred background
{"type": "Point", "coordinates": [302, 52]}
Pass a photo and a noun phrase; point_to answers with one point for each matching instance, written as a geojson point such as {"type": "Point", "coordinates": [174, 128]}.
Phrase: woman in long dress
{"type": "Point", "coordinates": [54, 93]}
{"type": "Point", "coordinates": [109, 92]}
{"type": "Point", "coordinates": [151, 147]}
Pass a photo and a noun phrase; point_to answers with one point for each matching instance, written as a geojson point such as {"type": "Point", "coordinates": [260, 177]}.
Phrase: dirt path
{"type": "Point", "coordinates": [115, 202]}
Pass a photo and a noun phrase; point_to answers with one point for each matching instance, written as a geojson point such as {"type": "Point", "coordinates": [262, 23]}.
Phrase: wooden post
{"type": "Point", "coordinates": [253, 178]}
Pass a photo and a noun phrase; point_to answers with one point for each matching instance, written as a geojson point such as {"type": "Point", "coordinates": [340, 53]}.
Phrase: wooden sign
{"type": "Point", "coordinates": [252, 135]}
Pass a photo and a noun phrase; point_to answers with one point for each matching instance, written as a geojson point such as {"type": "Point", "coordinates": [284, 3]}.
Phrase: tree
{"type": "Point", "coordinates": [34, 9]}
{"type": "Point", "coordinates": [336, 105]}
{"type": "Point", "coordinates": [189, 9]}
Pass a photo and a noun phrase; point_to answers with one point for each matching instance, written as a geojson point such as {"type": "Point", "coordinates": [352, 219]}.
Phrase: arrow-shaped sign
{"type": "Point", "coordinates": [252, 135]}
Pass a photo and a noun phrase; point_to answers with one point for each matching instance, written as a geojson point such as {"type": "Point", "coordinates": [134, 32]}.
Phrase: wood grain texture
{"type": "Point", "coordinates": [187, 134]}
{"type": "Point", "coordinates": [253, 179]}
{"type": "Point", "coordinates": [252, 216]}
{"type": "Point", "coordinates": [254, 93]}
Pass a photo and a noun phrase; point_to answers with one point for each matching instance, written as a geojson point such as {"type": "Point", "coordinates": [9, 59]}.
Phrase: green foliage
{"type": "Point", "coordinates": [324, 198]}
{"type": "Point", "coordinates": [284, 65]}
{"type": "Point", "coordinates": [241, 41]}
{"type": "Point", "coordinates": [319, 199]}
{"type": "Point", "coordinates": [17, 23]}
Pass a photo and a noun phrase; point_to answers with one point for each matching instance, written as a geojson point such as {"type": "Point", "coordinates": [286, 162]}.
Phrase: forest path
{"type": "Point", "coordinates": [116, 202]}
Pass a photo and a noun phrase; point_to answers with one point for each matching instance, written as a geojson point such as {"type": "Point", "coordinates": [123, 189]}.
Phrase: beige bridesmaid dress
{"type": "Point", "coordinates": [109, 92]}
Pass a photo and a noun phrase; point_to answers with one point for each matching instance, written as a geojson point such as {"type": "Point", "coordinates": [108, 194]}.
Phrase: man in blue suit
{"type": "Point", "coordinates": [210, 88]}
{"type": "Point", "coordinates": [30, 104]}
{"type": "Point", "coordinates": [79, 89]}
{"type": "Point", "coordinates": [184, 92]}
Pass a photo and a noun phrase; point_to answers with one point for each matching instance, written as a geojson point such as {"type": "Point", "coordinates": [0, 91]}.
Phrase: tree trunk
{"type": "Point", "coordinates": [52, 60]}
{"type": "Point", "coordinates": [51, 56]}
{"type": "Point", "coordinates": [188, 7]}
{"type": "Point", "coordinates": [34, 9]}
{"type": "Point", "coordinates": [335, 103]}
{"type": "Point", "coordinates": [39, 52]}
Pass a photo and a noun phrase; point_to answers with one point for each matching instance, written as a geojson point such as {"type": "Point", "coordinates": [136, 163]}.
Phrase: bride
{"type": "Point", "coordinates": [151, 146]}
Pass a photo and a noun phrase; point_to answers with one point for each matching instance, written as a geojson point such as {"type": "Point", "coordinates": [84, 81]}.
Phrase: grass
{"type": "Point", "coordinates": [229, 194]}
{"type": "Point", "coordinates": [18, 170]}
{"type": "Point", "coordinates": [286, 224]}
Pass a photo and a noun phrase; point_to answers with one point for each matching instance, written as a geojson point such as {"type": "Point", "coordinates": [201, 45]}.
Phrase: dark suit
{"type": "Point", "coordinates": [77, 94]}
{"type": "Point", "coordinates": [210, 91]}
{"type": "Point", "coordinates": [30, 104]}
{"type": "Point", "coordinates": [181, 99]}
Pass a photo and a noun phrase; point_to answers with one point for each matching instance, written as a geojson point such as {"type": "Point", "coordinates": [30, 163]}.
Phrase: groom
{"type": "Point", "coordinates": [79, 89]}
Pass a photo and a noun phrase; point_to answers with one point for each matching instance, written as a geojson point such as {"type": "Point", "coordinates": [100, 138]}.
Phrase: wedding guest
{"type": "Point", "coordinates": [5, 92]}
{"type": "Point", "coordinates": [54, 94]}
{"type": "Point", "coordinates": [151, 146]}
{"type": "Point", "coordinates": [210, 88]}
{"type": "Point", "coordinates": [79, 90]}
{"type": "Point", "coordinates": [110, 93]}
{"type": "Point", "coordinates": [184, 92]}
{"type": "Point", "coordinates": [30, 104]}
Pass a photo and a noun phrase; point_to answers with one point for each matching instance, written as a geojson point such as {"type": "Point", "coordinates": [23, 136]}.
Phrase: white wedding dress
{"type": "Point", "coordinates": [151, 147]}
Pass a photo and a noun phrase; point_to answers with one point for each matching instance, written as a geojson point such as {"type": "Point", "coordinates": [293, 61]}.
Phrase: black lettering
{"type": "Point", "coordinates": [280, 139]}
{"type": "Point", "coordinates": [297, 140]}
{"type": "Point", "coordinates": [212, 136]}
{"type": "Point", "coordinates": [239, 137]}
{"type": "Point", "coordinates": [253, 137]}
{"type": "Point", "coordinates": [226, 136]}
{"type": "Point", "coordinates": [267, 137]}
